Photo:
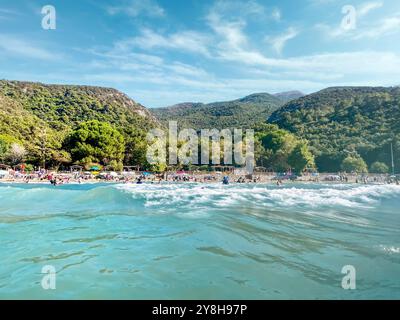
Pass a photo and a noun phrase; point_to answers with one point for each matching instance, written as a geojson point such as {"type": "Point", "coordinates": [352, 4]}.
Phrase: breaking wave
{"type": "Point", "coordinates": [162, 198]}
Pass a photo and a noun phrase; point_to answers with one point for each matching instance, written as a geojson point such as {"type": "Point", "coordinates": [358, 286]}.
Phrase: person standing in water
{"type": "Point", "coordinates": [225, 180]}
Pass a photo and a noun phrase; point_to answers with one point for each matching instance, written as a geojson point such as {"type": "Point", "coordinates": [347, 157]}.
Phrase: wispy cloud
{"type": "Point", "coordinates": [21, 47]}
{"type": "Point", "coordinates": [308, 73]}
{"type": "Point", "coordinates": [276, 14]}
{"type": "Point", "coordinates": [366, 28]}
{"type": "Point", "coordinates": [279, 42]}
{"type": "Point", "coordinates": [320, 2]}
{"type": "Point", "coordinates": [188, 41]}
{"type": "Point", "coordinates": [135, 8]}
{"type": "Point", "coordinates": [232, 42]}
{"type": "Point", "coordinates": [376, 29]}
{"type": "Point", "coordinates": [366, 7]}
{"type": "Point", "coordinates": [8, 14]}
{"type": "Point", "coordinates": [235, 8]}
{"type": "Point", "coordinates": [384, 27]}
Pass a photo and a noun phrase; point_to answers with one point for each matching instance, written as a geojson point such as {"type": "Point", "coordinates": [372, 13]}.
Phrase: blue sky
{"type": "Point", "coordinates": [162, 52]}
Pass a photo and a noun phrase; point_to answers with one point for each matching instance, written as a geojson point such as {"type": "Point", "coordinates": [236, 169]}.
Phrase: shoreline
{"type": "Point", "coordinates": [65, 178]}
{"type": "Point", "coordinates": [270, 182]}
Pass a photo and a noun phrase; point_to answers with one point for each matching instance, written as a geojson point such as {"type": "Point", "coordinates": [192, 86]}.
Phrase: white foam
{"type": "Point", "coordinates": [390, 249]}
{"type": "Point", "coordinates": [200, 195]}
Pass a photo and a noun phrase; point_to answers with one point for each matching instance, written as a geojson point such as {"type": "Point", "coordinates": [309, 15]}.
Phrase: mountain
{"type": "Point", "coordinates": [41, 116]}
{"type": "Point", "coordinates": [339, 121]}
{"type": "Point", "coordinates": [289, 95]}
{"type": "Point", "coordinates": [61, 107]}
{"type": "Point", "coordinates": [240, 113]}
{"type": "Point", "coordinates": [67, 105]}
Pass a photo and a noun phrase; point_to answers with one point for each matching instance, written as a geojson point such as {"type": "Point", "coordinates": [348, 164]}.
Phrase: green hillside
{"type": "Point", "coordinates": [343, 121]}
{"type": "Point", "coordinates": [65, 106]}
{"type": "Point", "coordinates": [241, 113]}
{"type": "Point", "coordinates": [41, 116]}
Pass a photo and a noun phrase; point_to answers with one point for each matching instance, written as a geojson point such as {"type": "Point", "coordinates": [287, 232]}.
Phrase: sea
{"type": "Point", "coordinates": [199, 241]}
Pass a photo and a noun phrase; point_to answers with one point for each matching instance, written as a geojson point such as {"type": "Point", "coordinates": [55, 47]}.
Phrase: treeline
{"type": "Point", "coordinates": [95, 143]}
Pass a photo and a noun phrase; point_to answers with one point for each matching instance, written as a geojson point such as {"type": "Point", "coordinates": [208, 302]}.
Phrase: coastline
{"type": "Point", "coordinates": [210, 179]}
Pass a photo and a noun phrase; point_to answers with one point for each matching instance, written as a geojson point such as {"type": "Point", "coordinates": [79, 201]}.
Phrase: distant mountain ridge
{"type": "Point", "coordinates": [239, 113]}
{"type": "Point", "coordinates": [289, 95]}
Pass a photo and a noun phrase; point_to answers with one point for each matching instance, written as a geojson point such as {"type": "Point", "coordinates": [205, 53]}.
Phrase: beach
{"type": "Point", "coordinates": [60, 178]}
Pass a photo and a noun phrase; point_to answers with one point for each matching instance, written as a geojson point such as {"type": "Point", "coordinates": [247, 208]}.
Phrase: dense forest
{"type": "Point", "coordinates": [337, 129]}
{"type": "Point", "coordinates": [241, 113]}
{"type": "Point", "coordinates": [341, 123]}
{"type": "Point", "coordinates": [43, 119]}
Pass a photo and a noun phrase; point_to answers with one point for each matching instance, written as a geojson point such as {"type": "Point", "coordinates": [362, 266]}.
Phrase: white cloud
{"type": "Point", "coordinates": [186, 41]}
{"type": "Point", "coordinates": [366, 7]}
{"type": "Point", "coordinates": [8, 14]}
{"type": "Point", "coordinates": [276, 14]}
{"type": "Point", "coordinates": [234, 9]}
{"type": "Point", "coordinates": [135, 8]}
{"type": "Point", "coordinates": [278, 43]}
{"type": "Point", "coordinates": [307, 73]}
{"type": "Point", "coordinates": [320, 2]}
{"type": "Point", "coordinates": [187, 70]}
{"type": "Point", "coordinates": [384, 27]}
{"type": "Point", "coordinates": [379, 28]}
{"type": "Point", "coordinates": [21, 47]}
{"type": "Point", "coordinates": [232, 42]}
{"type": "Point", "coordinates": [371, 28]}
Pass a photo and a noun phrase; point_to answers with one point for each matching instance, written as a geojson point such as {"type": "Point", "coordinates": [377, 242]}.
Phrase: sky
{"type": "Point", "coordinates": [163, 52]}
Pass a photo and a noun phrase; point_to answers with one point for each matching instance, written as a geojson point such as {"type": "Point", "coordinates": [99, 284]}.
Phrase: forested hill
{"type": "Point", "coordinates": [63, 106]}
{"type": "Point", "coordinates": [340, 121]}
{"type": "Point", "coordinates": [41, 118]}
{"type": "Point", "coordinates": [241, 113]}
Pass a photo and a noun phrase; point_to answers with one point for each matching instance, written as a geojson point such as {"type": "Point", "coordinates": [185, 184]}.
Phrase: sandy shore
{"type": "Point", "coordinates": [197, 177]}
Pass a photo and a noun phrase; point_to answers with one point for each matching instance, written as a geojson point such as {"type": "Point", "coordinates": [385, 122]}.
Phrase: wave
{"type": "Point", "coordinates": [197, 199]}
{"type": "Point", "coordinates": [309, 196]}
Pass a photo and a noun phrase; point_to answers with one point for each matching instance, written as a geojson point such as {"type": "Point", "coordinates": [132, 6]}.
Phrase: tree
{"type": "Point", "coordinates": [96, 141]}
{"type": "Point", "coordinates": [47, 146]}
{"type": "Point", "coordinates": [3, 149]}
{"type": "Point", "coordinates": [274, 146]}
{"type": "Point", "coordinates": [301, 158]}
{"type": "Point", "coordinates": [379, 167]}
{"type": "Point", "coordinates": [116, 166]}
{"type": "Point", "coordinates": [277, 140]}
{"type": "Point", "coordinates": [5, 144]}
{"type": "Point", "coordinates": [17, 153]}
{"type": "Point", "coordinates": [60, 157]}
{"type": "Point", "coordinates": [135, 150]}
{"type": "Point", "coordinates": [354, 164]}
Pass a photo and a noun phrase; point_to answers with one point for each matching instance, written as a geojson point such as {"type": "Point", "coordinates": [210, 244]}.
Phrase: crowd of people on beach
{"type": "Point", "coordinates": [60, 178]}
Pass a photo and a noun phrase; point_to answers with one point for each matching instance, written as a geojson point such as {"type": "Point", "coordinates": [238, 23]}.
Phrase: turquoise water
{"type": "Point", "coordinates": [185, 241]}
